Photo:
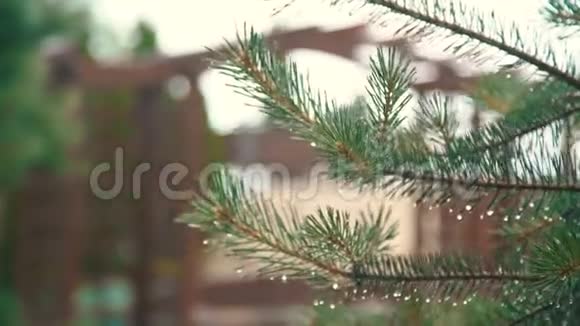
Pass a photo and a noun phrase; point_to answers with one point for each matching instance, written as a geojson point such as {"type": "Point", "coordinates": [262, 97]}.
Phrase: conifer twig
{"type": "Point", "coordinates": [457, 29]}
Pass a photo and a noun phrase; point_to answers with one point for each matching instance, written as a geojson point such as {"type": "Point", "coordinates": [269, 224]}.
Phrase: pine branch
{"type": "Point", "coordinates": [447, 15]}
{"type": "Point", "coordinates": [563, 12]}
{"type": "Point", "coordinates": [257, 231]}
{"type": "Point", "coordinates": [434, 115]}
{"type": "Point", "coordinates": [328, 249]}
{"type": "Point", "coordinates": [532, 314]}
{"type": "Point", "coordinates": [480, 183]}
{"type": "Point", "coordinates": [535, 229]}
{"type": "Point", "coordinates": [284, 95]}
{"type": "Point", "coordinates": [335, 236]}
{"type": "Point", "coordinates": [389, 83]}
{"type": "Point", "coordinates": [242, 59]}
{"type": "Point", "coordinates": [438, 276]}
{"type": "Point", "coordinates": [347, 141]}
{"type": "Point", "coordinates": [536, 111]}
{"type": "Point", "coordinates": [557, 259]}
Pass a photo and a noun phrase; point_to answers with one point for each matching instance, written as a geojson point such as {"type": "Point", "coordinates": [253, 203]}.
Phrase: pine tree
{"type": "Point", "coordinates": [524, 161]}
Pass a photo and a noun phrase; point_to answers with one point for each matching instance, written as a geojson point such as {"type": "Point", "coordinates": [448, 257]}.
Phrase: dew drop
{"type": "Point", "coordinates": [427, 300]}
{"type": "Point", "coordinates": [313, 144]}
{"type": "Point", "coordinates": [239, 271]}
{"type": "Point", "coordinates": [321, 302]}
{"type": "Point", "coordinates": [335, 286]}
{"type": "Point", "coordinates": [517, 217]}
{"type": "Point", "coordinates": [489, 213]}
{"type": "Point", "coordinates": [194, 226]}
{"type": "Point", "coordinates": [481, 217]}
{"type": "Point", "coordinates": [332, 306]}
{"type": "Point", "coordinates": [459, 217]}
{"type": "Point", "coordinates": [468, 207]}
{"type": "Point", "coordinates": [315, 303]}
{"type": "Point", "coordinates": [506, 218]}
{"type": "Point", "coordinates": [284, 278]}
{"type": "Point", "coordinates": [531, 204]}
{"type": "Point", "coordinates": [451, 210]}
{"type": "Point", "coordinates": [205, 242]}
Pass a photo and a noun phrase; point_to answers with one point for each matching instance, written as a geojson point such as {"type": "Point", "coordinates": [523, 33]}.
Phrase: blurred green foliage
{"type": "Point", "coordinates": [33, 129]}
{"type": "Point", "coordinates": [32, 134]}
{"type": "Point", "coordinates": [145, 40]}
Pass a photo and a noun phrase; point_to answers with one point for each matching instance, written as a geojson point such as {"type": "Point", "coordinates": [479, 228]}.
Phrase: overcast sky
{"type": "Point", "coordinates": [189, 25]}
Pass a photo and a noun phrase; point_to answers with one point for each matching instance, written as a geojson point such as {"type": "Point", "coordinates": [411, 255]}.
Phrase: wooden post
{"type": "Point", "coordinates": [49, 211]}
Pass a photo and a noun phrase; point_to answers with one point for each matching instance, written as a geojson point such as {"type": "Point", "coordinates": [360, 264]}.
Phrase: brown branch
{"type": "Point", "coordinates": [522, 132]}
{"type": "Point", "coordinates": [349, 155]}
{"type": "Point", "coordinates": [342, 246]}
{"type": "Point", "coordinates": [270, 87]}
{"type": "Point", "coordinates": [387, 108]}
{"type": "Point", "coordinates": [535, 229]}
{"type": "Point", "coordinates": [570, 268]}
{"type": "Point", "coordinates": [491, 184]}
{"type": "Point", "coordinates": [566, 18]}
{"type": "Point", "coordinates": [532, 314]}
{"type": "Point", "coordinates": [452, 277]}
{"type": "Point", "coordinates": [224, 216]}
{"type": "Point", "coordinates": [460, 30]}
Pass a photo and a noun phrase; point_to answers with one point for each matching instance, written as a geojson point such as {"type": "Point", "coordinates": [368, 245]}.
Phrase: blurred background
{"type": "Point", "coordinates": [124, 82]}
